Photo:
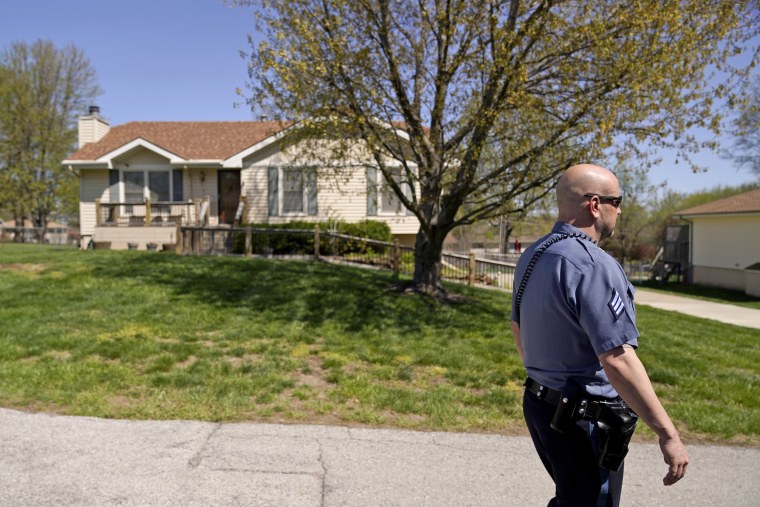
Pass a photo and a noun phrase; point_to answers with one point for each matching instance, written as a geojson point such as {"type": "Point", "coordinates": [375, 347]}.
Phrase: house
{"type": "Point", "coordinates": [141, 180]}
{"type": "Point", "coordinates": [55, 234]}
{"type": "Point", "coordinates": [724, 242]}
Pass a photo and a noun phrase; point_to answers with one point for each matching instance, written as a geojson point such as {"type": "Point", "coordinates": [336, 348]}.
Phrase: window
{"type": "Point", "coordinates": [292, 191]}
{"type": "Point", "coordinates": [381, 199]}
{"type": "Point", "coordinates": [162, 186]}
{"type": "Point", "coordinates": [390, 204]}
{"type": "Point", "coordinates": [158, 186]}
{"type": "Point", "coordinates": [293, 195]}
{"type": "Point", "coordinates": [134, 183]}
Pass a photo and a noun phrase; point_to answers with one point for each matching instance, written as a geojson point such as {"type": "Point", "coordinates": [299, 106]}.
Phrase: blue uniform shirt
{"type": "Point", "coordinates": [577, 304]}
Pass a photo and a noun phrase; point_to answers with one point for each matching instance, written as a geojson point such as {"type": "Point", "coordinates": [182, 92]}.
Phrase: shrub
{"type": "Point", "coordinates": [298, 243]}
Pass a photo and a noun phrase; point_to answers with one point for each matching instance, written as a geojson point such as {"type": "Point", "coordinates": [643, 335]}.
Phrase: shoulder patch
{"type": "Point", "coordinates": [616, 305]}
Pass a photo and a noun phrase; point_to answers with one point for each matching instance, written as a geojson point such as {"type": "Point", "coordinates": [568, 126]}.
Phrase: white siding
{"type": "Point", "coordinates": [91, 129]}
{"type": "Point", "coordinates": [142, 157]}
{"type": "Point", "coordinates": [341, 194]}
{"type": "Point", "coordinates": [254, 186]}
{"type": "Point", "coordinates": [719, 277]}
{"type": "Point", "coordinates": [93, 184]}
{"type": "Point", "coordinates": [729, 241]}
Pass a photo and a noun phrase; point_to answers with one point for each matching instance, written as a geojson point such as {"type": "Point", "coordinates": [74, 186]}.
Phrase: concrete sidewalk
{"type": "Point", "coordinates": [729, 314]}
{"type": "Point", "coordinates": [59, 460]}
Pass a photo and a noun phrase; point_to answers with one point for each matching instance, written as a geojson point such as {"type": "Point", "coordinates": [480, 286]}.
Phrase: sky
{"type": "Point", "coordinates": [179, 60]}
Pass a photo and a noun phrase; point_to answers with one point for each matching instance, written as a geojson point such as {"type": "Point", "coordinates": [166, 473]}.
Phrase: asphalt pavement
{"type": "Point", "coordinates": [63, 460]}
{"type": "Point", "coordinates": [83, 461]}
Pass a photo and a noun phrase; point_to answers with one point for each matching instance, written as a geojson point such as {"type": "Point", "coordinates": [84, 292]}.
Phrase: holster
{"type": "Point", "coordinates": [617, 423]}
{"type": "Point", "coordinates": [615, 420]}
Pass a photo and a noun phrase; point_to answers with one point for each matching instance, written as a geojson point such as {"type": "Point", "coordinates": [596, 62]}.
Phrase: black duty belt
{"type": "Point", "coordinates": [586, 405]}
{"type": "Point", "coordinates": [549, 395]}
{"type": "Point", "coordinates": [615, 420]}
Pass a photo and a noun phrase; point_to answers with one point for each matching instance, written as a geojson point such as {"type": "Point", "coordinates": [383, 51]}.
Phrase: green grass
{"type": "Point", "coordinates": [154, 335]}
{"type": "Point", "coordinates": [715, 294]}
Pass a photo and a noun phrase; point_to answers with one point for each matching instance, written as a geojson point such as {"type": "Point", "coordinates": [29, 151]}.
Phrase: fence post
{"type": "Point", "coordinates": [396, 257]}
{"type": "Point", "coordinates": [196, 238]}
{"type": "Point", "coordinates": [316, 242]}
{"type": "Point", "coordinates": [472, 269]}
{"type": "Point", "coordinates": [248, 242]}
{"type": "Point", "coordinates": [180, 245]}
{"type": "Point", "coordinates": [147, 211]}
{"type": "Point", "coordinates": [98, 218]}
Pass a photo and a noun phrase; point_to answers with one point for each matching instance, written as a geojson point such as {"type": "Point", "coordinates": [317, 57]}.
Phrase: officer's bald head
{"type": "Point", "coordinates": [577, 181]}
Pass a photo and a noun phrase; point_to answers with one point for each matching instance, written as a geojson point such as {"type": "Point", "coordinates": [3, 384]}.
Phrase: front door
{"type": "Point", "coordinates": [229, 195]}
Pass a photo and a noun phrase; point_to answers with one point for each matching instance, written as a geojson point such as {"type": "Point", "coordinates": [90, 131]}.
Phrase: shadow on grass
{"type": "Point", "coordinates": [313, 293]}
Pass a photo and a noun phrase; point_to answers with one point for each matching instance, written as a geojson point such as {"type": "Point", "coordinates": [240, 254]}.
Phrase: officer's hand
{"type": "Point", "coordinates": [675, 455]}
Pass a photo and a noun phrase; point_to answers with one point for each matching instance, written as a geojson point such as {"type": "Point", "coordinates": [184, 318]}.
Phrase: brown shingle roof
{"type": "Point", "coordinates": [189, 140]}
{"type": "Point", "coordinates": [748, 202]}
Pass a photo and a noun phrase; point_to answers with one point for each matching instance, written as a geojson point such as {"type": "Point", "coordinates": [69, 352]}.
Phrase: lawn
{"type": "Point", "coordinates": [154, 335]}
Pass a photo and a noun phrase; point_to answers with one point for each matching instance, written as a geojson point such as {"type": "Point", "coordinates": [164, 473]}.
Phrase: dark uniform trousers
{"type": "Point", "coordinates": [571, 458]}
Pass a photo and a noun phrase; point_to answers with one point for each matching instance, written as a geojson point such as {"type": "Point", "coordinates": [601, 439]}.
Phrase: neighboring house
{"type": "Point", "coordinates": [724, 242]}
{"type": "Point", "coordinates": [141, 180]}
{"type": "Point", "coordinates": [55, 234]}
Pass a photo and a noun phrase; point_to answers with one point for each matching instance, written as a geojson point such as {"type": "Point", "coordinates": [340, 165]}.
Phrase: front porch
{"type": "Point", "coordinates": [149, 225]}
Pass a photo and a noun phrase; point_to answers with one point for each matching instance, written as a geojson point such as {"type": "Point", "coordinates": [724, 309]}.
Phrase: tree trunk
{"type": "Point", "coordinates": [427, 262]}
{"type": "Point", "coordinates": [18, 234]}
{"type": "Point", "coordinates": [40, 225]}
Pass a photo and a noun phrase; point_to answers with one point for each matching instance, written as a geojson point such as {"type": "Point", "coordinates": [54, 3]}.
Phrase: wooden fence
{"type": "Point", "coordinates": [331, 246]}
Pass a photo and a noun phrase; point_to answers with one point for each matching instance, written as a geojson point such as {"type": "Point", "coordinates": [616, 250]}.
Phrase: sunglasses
{"type": "Point", "coordinates": [609, 199]}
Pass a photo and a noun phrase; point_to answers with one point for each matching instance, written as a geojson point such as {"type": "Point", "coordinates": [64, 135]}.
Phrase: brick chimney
{"type": "Point", "coordinates": [92, 127]}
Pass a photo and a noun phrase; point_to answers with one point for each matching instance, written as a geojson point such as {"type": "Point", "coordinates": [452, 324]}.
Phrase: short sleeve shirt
{"type": "Point", "coordinates": [577, 304]}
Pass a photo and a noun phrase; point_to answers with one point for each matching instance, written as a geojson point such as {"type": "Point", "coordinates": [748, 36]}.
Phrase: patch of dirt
{"type": "Point", "coordinates": [63, 355]}
{"type": "Point", "coordinates": [187, 362]}
{"type": "Point", "coordinates": [120, 401]}
{"type": "Point", "coordinates": [237, 362]}
{"type": "Point", "coordinates": [33, 268]}
{"type": "Point", "coordinates": [440, 296]}
{"type": "Point", "coordinates": [315, 377]}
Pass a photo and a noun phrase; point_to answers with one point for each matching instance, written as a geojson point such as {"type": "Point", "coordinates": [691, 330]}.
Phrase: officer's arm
{"type": "Point", "coordinates": [629, 378]}
{"type": "Point", "coordinates": [516, 336]}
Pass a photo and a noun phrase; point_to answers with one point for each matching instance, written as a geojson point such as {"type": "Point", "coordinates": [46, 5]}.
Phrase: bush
{"type": "Point", "coordinates": [370, 229]}
{"type": "Point", "coordinates": [302, 243]}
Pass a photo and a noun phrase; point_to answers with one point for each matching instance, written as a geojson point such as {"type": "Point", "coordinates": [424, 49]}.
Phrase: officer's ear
{"type": "Point", "coordinates": [593, 206]}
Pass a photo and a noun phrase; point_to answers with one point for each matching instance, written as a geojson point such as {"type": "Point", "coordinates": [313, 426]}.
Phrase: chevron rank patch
{"type": "Point", "coordinates": [616, 305]}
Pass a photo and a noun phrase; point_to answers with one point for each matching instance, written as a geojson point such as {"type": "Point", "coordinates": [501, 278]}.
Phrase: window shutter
{"type": "Point", "coordinates": [311, 189]}
{"type": "Point", "coordinates": [273, 188]}
{"type": "Point", "coordinates": [113, 185]}
{"type": "Point", "coordinates": [371, 191]}
{"type": "Point", "coordinates": [177, 185]}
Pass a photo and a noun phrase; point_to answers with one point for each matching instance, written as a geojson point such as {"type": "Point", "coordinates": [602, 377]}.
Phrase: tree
{"type": "Point", "coordinates": [483, 104]}
{"type": "Point", "coordinates": [746, 131]}
{"type": "Point", "coordinates": [42, 91]}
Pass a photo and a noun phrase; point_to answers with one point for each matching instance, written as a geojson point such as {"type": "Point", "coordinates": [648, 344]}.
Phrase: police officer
{"type": "Point", "coordinates": [574, 326]}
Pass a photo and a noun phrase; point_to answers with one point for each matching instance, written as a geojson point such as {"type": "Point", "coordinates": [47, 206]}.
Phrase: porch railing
{"type": "Point", "coordinates": [339, 248]}
{"type": "Point", "coordinates": [147, 213]}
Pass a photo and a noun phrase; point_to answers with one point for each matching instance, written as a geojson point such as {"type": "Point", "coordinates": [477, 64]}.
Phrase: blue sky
{"type": "Point", "coordinates": [179, 60]}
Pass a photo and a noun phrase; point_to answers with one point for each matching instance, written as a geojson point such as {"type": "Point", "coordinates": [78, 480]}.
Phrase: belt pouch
{"type": "Point", "coordinates": [616, 423]}
{"type": "Point", "coordinates": [565, 414]}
